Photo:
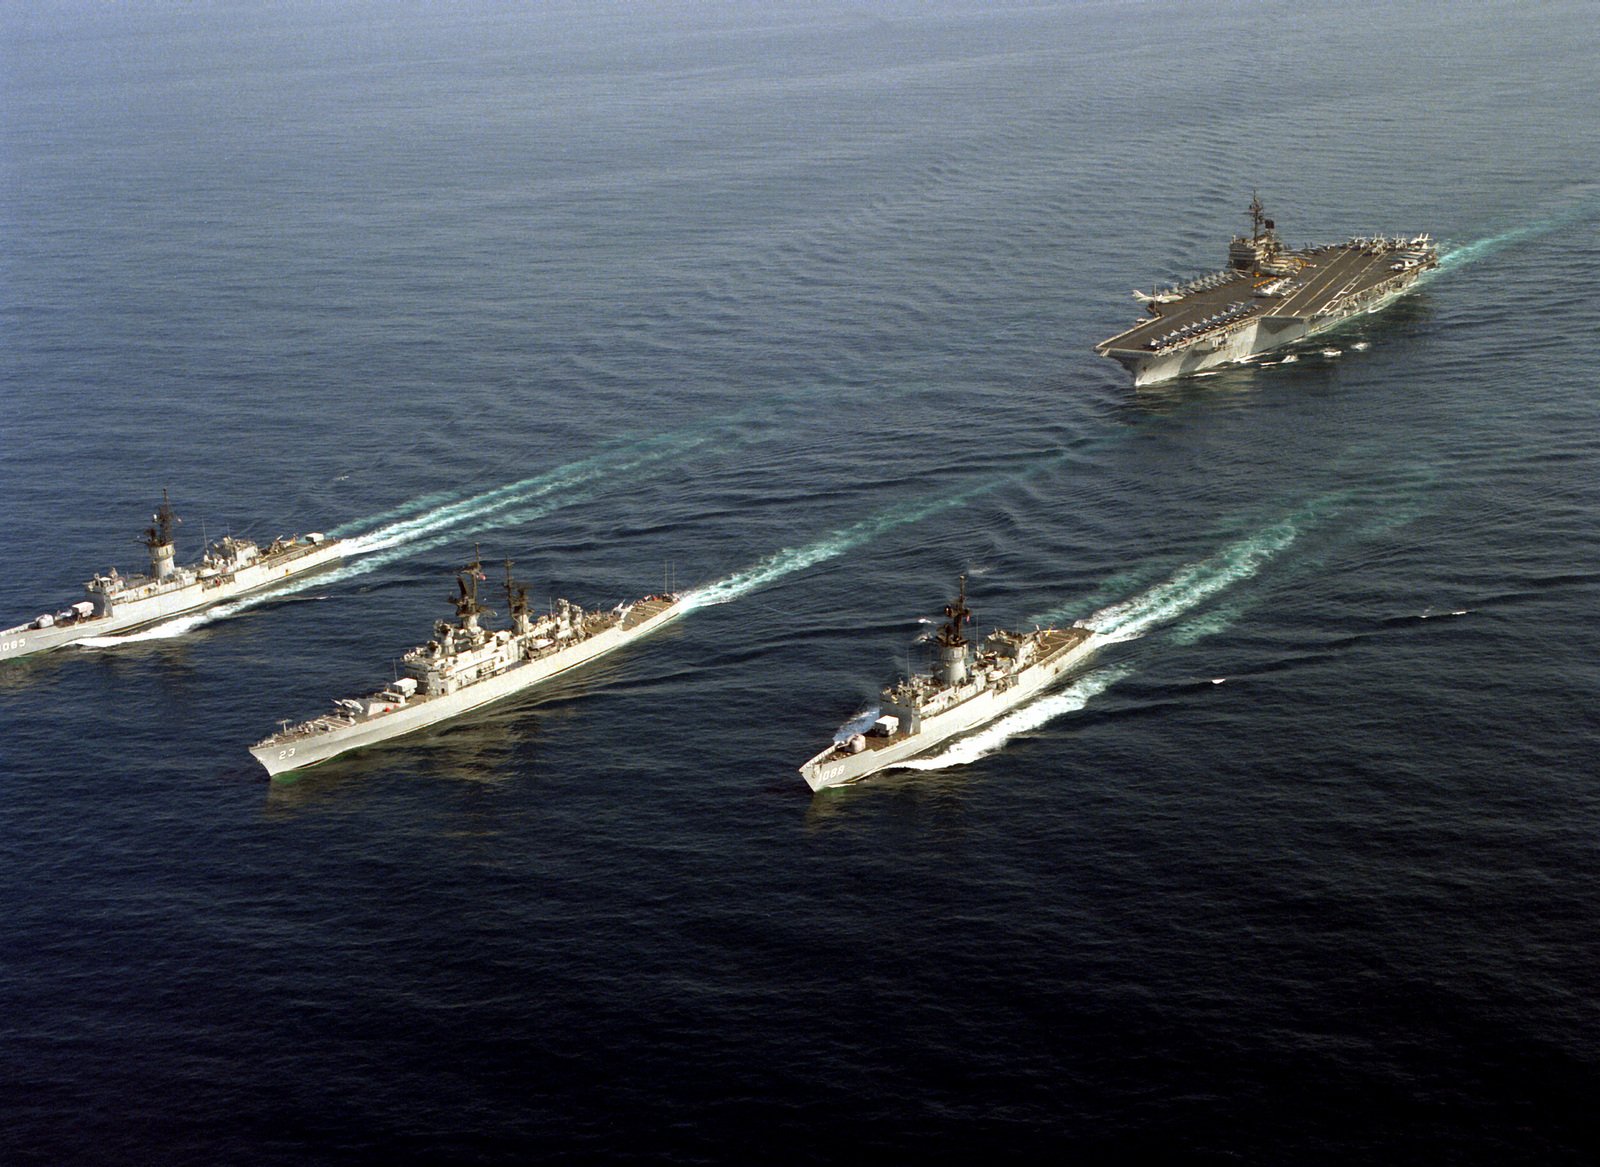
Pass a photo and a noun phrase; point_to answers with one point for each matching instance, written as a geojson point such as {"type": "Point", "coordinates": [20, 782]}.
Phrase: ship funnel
{"type": "Point", "coordinates": [953, 664]}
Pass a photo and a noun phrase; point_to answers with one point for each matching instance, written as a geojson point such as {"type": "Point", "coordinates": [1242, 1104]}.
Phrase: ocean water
{"type": "Point", "coordinates": [794, 304]}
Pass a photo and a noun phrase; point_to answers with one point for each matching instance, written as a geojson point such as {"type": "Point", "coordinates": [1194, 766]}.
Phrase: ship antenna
{"type": "Point", "coordinates": [516, 594]}
{"type": "Point", "coordinates": [956, 614]}
{"type": "Point", "coordinates": [1258, 216]}
{"type": "Point", "coordinates": [159, 533]}
{"type": "Point", "coordinates": [467, 580]}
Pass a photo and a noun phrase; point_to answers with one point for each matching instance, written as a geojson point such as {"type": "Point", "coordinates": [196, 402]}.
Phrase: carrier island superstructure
{"type": "Point", "coordinates": [1267, 297]}
{"type": "Point", "coordinates": [117, 603]}
{"type": "Point", "coordinates": [968, 687]}
{"type": "Point", "coordinates": [466, 666]}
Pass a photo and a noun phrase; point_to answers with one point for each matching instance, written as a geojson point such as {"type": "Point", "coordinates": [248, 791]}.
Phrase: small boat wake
{"type": "Point", "coordinates": [792, 559]}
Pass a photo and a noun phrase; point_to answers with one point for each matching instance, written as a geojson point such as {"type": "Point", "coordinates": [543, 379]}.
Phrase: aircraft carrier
{"type": "Point", "coordinates": [970, 686]}
{"type": "Point", "coordinates": [1268, 296]}
{"type": "Point", "coordinates": [466, 666]}
{"type": "Point", "coordinates": [117, 603]}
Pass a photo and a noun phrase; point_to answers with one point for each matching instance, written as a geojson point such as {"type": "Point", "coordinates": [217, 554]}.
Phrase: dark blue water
{"type": "Point", "coordinates": [798, 301]}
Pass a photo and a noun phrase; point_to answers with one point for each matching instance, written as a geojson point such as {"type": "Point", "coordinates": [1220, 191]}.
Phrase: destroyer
{"type": "Point", "coordinates": [968, 687]}
{"type": "Point", "coordinates": [1268, 296]}
{"type": "Point", "coordinates": [117, 603]}
{"type": "Point", "coordinates": [466, 666]}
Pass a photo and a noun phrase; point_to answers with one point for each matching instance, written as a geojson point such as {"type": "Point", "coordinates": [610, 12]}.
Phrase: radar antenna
{"type": "Point", "coordinates": [466, 604]}
{"type": "Point", "coordinates": [159, 533]}
{"type": "Point", "coordinates": [956, 614]}
{"type": "Point", "coordinates": [516, 594]}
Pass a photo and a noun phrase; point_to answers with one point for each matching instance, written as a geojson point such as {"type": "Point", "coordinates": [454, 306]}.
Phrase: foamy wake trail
{"type": "Point", "coordinates": [1468, 252]}
{"type": "Point", "coordinates": [993, 737]}
{"type": "Point", "coordinates": [1210, 623]}
{"type": "Point", "coordinates": [164, 631]}
{"type": "Point", "coordinates": [1128, 620]}
{"type": "Point", "coordinates": [792, 559]}
{"type": "Point", "coordinates": [411, 507]}
{"type": "Point", "coordinates": [1482, 248]}
{"type": "Point", "coordinates": [429, 522]}
{"type": "Point", "coordinates": [1196, 583]}
{"type": "Point", "coordinates": [530, 497]}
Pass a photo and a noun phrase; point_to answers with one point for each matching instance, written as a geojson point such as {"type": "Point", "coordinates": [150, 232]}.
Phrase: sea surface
{"type": "Point", "coordinates": [793, 305]}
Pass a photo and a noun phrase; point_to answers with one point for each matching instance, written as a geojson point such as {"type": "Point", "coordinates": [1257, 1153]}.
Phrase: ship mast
{"type": "Point", "coordinates": [466, 604]}
{"type": "Point", "coordinates": [158, 538]}
{"type": "Point", "coordinates": [1261, 247]}
{"type": "Point", "coordinates": [952, 643]}
{"type": "Point", "coordinates": [516, 601]}
{"type": "Point", "coordinates": [956, 614]}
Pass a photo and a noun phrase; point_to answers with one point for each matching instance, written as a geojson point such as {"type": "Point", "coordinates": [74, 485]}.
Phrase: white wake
{"type": "Point", "coordinates": [434, 520]}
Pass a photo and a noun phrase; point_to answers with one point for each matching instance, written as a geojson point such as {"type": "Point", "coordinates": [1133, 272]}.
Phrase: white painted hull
{"type": "Point", "coordinates": [25, 640]}
{"type": "Point", "coordinates": [131, 615]}
{"type": "Point", "coordinates": [420, 712]}
{"type": "Point", "coordinates": [830, 768]}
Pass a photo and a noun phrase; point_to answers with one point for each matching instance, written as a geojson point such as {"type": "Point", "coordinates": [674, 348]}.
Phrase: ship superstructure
{"type": "Point", "coordinates": [1268, 296]}
{"type": "Point", "coordinates": [968, 686]}
{"type": "Point", "coordinates": [116, 603]}
{"type": "Point", "coordinates": [466, 666]}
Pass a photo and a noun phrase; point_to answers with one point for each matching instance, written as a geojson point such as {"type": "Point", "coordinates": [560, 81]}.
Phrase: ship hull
{"type": "Point", "coordinates": [25, 640]}
{"type": "Point", "coordinates": [829, 768]}
{"type": "Point", "coordinates": [279, 757]}
{"type": "Point", "coordinates": [1254, 340]}
{"type": "Point", "coordinates": [1267, 297]}
{"type": "Point", "coordinates": [132, 615]}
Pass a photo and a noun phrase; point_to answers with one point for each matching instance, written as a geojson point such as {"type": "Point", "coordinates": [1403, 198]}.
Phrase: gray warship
{"type": "Point", "coordinates": [116, 603]}
{"type": "Point", "coordinates": [1268, 296]}
{"type": "Point", "coordinates": [968, 687]}
{"type": "Point", "coordinates": [466, 666]}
